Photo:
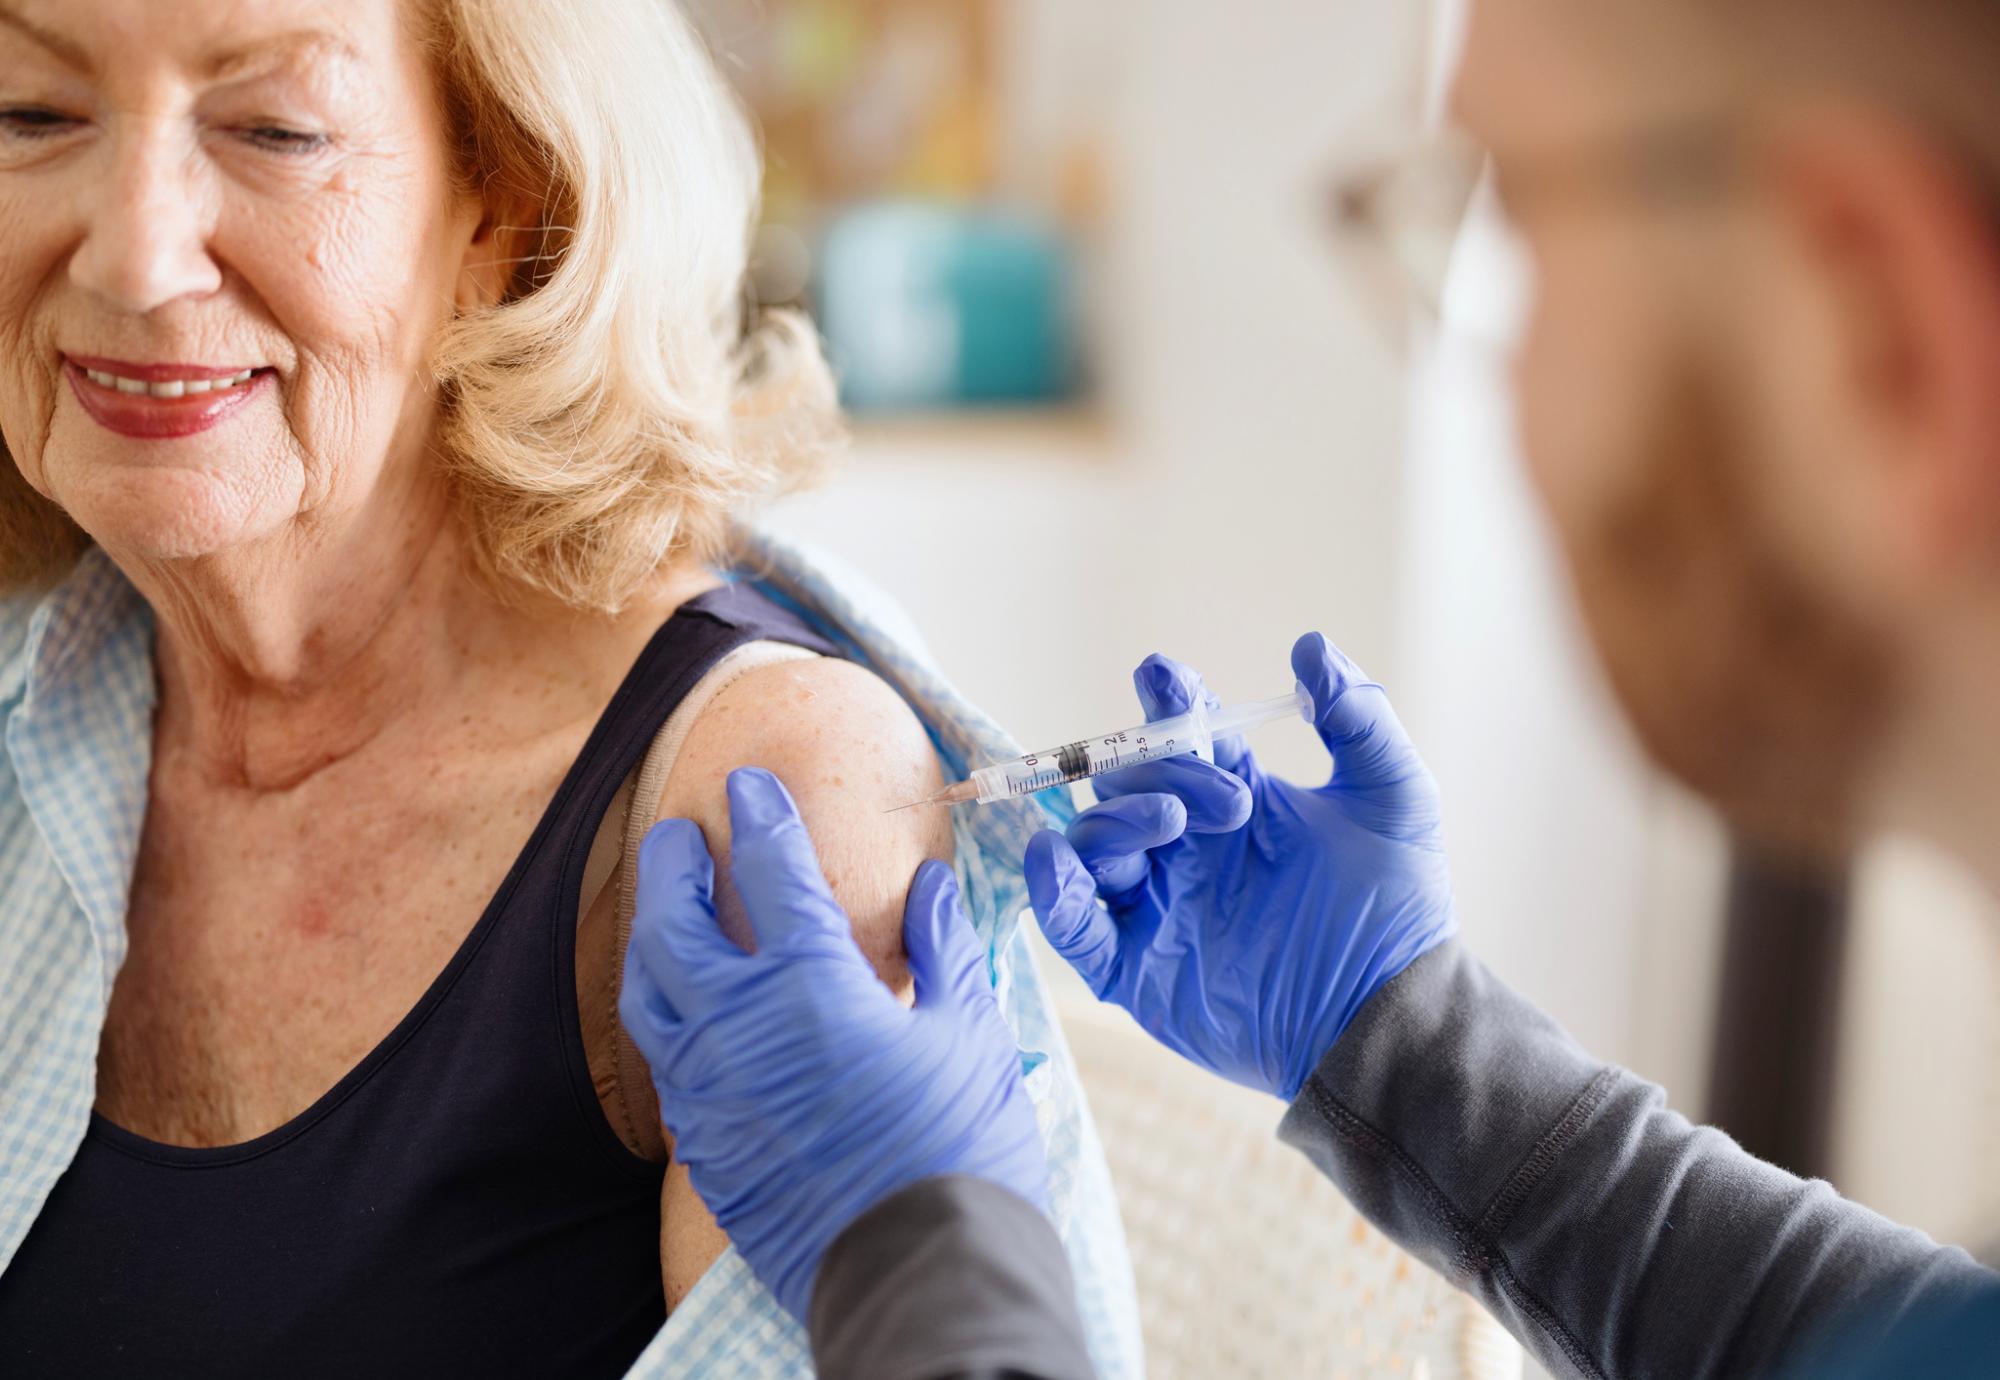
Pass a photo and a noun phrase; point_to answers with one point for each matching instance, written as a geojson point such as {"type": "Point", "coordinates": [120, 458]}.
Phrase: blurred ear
{"type": "Point", "coordinates": [501, 259]}
{"type": "Point", "coordinates": [1905, 242]}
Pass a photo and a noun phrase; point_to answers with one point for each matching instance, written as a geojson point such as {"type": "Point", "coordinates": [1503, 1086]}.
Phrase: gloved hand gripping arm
{"type": "Point", "coordinates": [826, 1125]}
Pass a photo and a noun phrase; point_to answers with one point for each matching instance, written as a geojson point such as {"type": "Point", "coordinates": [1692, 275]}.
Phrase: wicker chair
{"type": "Point", "coordinates": [1249, 1263]}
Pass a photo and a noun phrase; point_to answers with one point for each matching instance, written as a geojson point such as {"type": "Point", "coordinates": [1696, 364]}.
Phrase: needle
{"type": "Point", "coordinates": [947, 795]}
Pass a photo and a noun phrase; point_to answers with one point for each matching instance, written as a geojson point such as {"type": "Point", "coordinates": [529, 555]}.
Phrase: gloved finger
{"type": "Point", "coordinates": [654, 1025]}
{"type": "Point", "coordinates": [1371, 750]}
{"type": "Point", "coordinates": [1217, 801]}
{"type": "Point", "coordinates": [675, 940]}
{"type": "Point", "coordinates": [1113, 839]}
{"type": "Point", "coordinates": [947, 960]}
{"type": "Point", "coordinates": [1166, 687]}
{"type": "Point", "coordinates": [774, 864]}
{"type": "Point", "coordinates": [1065, 904]}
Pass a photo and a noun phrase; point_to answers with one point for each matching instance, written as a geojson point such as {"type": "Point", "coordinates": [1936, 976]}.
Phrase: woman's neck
{"type": "Point", "coordinates": [275, 664]}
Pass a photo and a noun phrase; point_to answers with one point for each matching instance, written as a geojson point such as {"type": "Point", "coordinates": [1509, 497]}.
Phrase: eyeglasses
{"type": "Point", "coordinates": [1397, 220]}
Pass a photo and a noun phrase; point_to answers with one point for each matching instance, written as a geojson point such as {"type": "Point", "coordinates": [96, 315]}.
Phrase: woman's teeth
{"type": "Point", "coordinates": [173, 388]}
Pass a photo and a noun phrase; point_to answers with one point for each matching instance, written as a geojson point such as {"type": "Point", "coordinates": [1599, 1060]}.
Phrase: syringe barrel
{"type": "Point", "coordinates": [1058, 766]}
{"type": "Point", "coordinates": [1194, 731]}
{"type": "Point", "coordinates": [992, 782]}
{"type": "Point", "coordinates": [1237, 719]}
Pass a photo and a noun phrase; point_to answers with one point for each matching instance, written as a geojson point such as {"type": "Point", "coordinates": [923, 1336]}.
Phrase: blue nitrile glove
{"type": "Point", "coordinates": [798, 1090]}
{"type": "Point", "coordinates": [1245, 919]}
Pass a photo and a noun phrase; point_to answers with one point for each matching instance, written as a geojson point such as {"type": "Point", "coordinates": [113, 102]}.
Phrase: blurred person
{"type": "Point", "coordinates": [1757, 395]}
{"type": "Point", "coordinates": [377, 405]}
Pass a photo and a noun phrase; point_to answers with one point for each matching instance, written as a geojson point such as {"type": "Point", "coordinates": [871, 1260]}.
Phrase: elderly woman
{"type": "Point", "coordinates": [377, 398]}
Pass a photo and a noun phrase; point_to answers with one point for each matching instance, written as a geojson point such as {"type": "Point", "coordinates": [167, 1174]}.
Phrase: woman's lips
{"type": "Point", "coordinates": [138, 400]}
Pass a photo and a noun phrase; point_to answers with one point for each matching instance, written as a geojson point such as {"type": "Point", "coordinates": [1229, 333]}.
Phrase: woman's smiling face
{"type": "Point", "coordinates": [192, 191]}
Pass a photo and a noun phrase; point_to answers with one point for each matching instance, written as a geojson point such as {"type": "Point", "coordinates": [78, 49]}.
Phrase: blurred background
{"type": "Point", "coordinates": [1112, 395]}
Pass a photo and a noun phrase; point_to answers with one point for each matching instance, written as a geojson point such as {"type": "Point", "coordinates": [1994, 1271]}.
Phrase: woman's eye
{"type": "Point", "coordinates": [33, 122]}
{"type": "Point", "coordinates": [279, 139]}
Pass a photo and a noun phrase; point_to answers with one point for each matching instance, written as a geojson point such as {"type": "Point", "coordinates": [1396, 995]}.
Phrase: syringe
{"type": "Point", "coordinates": [1195, 731]}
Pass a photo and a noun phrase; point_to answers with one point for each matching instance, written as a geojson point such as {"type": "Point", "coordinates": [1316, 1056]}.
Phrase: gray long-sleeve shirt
{"type": "Point", "coordinates": [1610, 1235]}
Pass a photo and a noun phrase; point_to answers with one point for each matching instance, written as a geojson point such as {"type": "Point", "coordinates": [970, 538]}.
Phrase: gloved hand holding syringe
{"type": "Point", "coordinates": [1196, 731]}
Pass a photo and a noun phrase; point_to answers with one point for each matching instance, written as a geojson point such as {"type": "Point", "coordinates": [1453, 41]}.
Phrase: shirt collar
{"type": "Point", "coordinates": [79, 739]}
{"type": "Point", "coordinates": [70, 628]}
{"type": "Point", "coordinates": [13, 676]}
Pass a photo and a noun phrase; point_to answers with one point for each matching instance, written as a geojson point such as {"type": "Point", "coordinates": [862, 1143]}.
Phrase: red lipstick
{"type": "Point", "coordinates": [147, 417]}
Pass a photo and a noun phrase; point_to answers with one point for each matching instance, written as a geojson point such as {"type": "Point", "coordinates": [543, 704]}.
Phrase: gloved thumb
{"type": "Point", "coordinates": [1371, 750]}
{"type": "Point", "coordinates": [774, 864]}
{"type": "Point", "coordinates": [1065, 902]}
{"type": "Point", "coordinates": [675, 942]}
{"type": "Point", "coordinates": [947, 961]}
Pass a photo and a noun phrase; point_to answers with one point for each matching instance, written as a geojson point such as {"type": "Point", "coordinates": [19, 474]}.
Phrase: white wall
{"type": "Point", "coordinates": [1250, 486]}
{"type": "Point", "coordinates": [1917, 1114]}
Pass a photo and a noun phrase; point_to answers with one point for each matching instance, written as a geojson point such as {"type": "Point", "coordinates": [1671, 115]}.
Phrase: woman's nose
{"type": "Point", "coordinates": [146, 240]}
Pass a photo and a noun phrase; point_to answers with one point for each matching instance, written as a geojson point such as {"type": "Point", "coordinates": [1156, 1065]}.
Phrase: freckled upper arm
{"type": "Point", "coordinates": [848, 749]}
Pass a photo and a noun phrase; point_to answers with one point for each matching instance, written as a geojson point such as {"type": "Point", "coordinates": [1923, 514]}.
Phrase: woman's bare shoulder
{"type": "Point", "coordinates": [848, 749]}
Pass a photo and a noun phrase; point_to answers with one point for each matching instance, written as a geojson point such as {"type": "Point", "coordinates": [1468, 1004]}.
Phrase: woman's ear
{"type": "Point", "coordinates": [1906, 243]}
{"type": "Point", "coordinates": [504, 238]}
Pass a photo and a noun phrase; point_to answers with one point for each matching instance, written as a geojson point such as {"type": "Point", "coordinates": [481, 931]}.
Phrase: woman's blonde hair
{"type": "Point", "coordinates": [616, 407]}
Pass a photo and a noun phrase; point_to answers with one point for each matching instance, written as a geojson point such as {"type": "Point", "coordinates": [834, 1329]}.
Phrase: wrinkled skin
{"type": "Point", "coordinates": [294, 212]}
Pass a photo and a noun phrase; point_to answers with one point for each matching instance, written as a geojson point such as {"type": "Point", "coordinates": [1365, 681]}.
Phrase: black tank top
{"type": "Point", "coordinates": [456, 1205]}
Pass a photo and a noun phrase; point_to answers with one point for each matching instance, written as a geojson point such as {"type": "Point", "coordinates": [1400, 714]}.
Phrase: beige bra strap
{"type": "Point", "coordinates": [641, 801]}
{"type": "Point", "coordinates": [607, 848]}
